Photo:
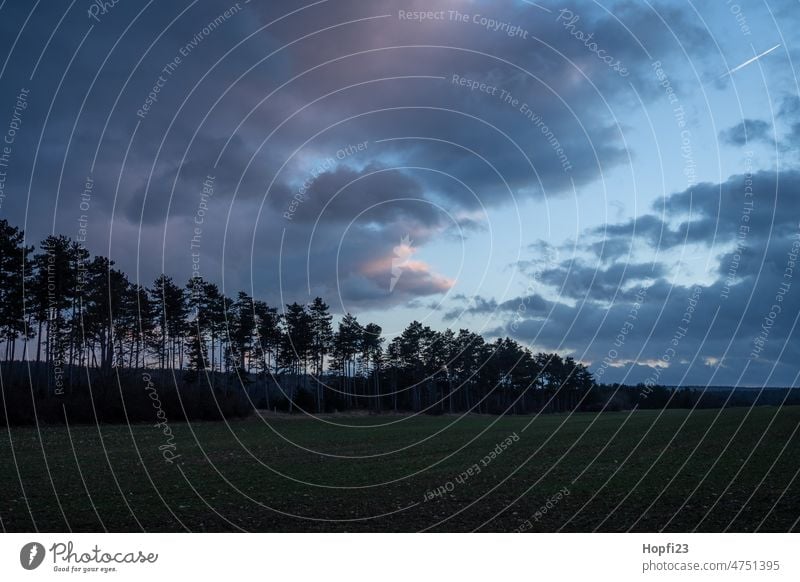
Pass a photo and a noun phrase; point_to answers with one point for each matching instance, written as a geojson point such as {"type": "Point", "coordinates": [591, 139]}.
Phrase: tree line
{"type": "Point", "coordinates": [68, 312]}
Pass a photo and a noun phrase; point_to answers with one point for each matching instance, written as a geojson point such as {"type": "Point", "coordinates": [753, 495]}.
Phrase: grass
{"type": "Point", "coordinates": [284, 473]}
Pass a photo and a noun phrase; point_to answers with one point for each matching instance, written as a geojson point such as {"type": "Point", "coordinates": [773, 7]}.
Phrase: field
{"type": "Point", "coordinates": [710, 470]}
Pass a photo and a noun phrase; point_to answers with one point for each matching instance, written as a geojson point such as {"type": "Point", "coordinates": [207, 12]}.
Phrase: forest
{"type": "Point", "coordinates": [78, 337]}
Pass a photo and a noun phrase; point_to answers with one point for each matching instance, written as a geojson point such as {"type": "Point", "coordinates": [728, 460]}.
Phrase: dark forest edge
{"type": "Point", "coordinates": [82, 343]}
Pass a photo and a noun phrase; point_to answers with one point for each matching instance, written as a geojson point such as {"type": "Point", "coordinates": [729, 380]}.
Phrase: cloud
{"type": "Point", "coordinates": [439, 157]}
{"type": "Point", "coordinates": [580, 281]}
{"type": "Point", "coordinates": [402, 276]}
{"type": "Point", "coordinates": [762, 204]}
{"type": "Point", "coordinates": [747, 132]}
{"type": "Point", "coordinates": [741, 317]}
{"type": "Point", "coordinates": [471, 306]}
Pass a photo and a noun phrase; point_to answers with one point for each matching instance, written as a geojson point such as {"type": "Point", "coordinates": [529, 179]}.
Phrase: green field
{"type": "Point", "coordinates": [285, 473]}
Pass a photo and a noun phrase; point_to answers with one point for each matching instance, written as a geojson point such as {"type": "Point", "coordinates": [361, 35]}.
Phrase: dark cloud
{"type": "Point", "coordinates": [749, 131]}
{"type": "Point", "coordinates": [747, 313]}
{"type": "Point", "coordinates": [476, 305]}
{"type": "Point", "coordinates": [378, 194]}
{"type": "Point", "coordinates": [709, 214]}
{"type": "Point", "coordinates": [579, 281]}
{"type": "Point", "coordinates": [337, 74]}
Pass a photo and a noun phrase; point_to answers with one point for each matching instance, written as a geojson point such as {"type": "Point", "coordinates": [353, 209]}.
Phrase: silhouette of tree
{"type": "Point", "coordinates": [321, 340]}
{"type": "Point", "coordinates": [15, 276]}
{"type": "Point", "coordinates": [215, 305]}
{"type": "Point", "coordinates": [372, 357]}
{"type": "Point", "coordinates": [196, 354]}
{"type": "Point", "coordinates": [464, 365]}
{"type": "Point", "coordinates": [55, 285]}
{"type": "Point", "coordinates": [346, 348]}
{"type": "Point", "coordinates": [171, 311]}
{"type": "Point", "coordinates": [106, 314]}
{"type": "Point", "coordinates": [270, 337]}
{"type": "Point", "coordinates": [241, 324]}
{"type": "Point", "coordinates": [87, 312]}
{"type": "Point", "coordinates": [144, 325]}
{"type": "Point", "coordinates": [298, 345]}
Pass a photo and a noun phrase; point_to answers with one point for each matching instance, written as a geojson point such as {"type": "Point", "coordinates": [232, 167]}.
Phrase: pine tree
{"type": "Point", "coordinates": [242, 327]}
{"type": "Point", "coordinates": [144, 327]}
{"type": "Point", "coordinates": [196, 355]}
{"type": "Point", "coordinates": [269, 339]}
{"type": "Point", "coordinates": [15, 270]}
{"type": "Point", "coordinates": [322, 337]}
{"type": "Point", "coordinates": [215, 315]}
{"type": "Point", "coordinates": [171, 312]}
{"type": "Point", "coordinates": [372, 354]}
{"type": "Point", "coordinates": [297, 346]}
{"type": "Point", "coordinates": [54, 285]}
{"type": "Point", "coordinates": [107, 320]}
{"type": "Point", "coordinates": [346, 348]}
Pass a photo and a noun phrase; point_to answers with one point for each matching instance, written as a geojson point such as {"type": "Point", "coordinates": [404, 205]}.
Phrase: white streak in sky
{"type": "Point", "coordinates": [747, 62]}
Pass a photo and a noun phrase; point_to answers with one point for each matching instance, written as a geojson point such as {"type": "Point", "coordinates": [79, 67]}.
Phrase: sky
{"type": "Point", "coordinates": [600, 179]}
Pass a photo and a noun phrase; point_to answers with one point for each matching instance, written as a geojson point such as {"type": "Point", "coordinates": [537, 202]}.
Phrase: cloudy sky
{"type": "Point", "coordinates": [598, 178]}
